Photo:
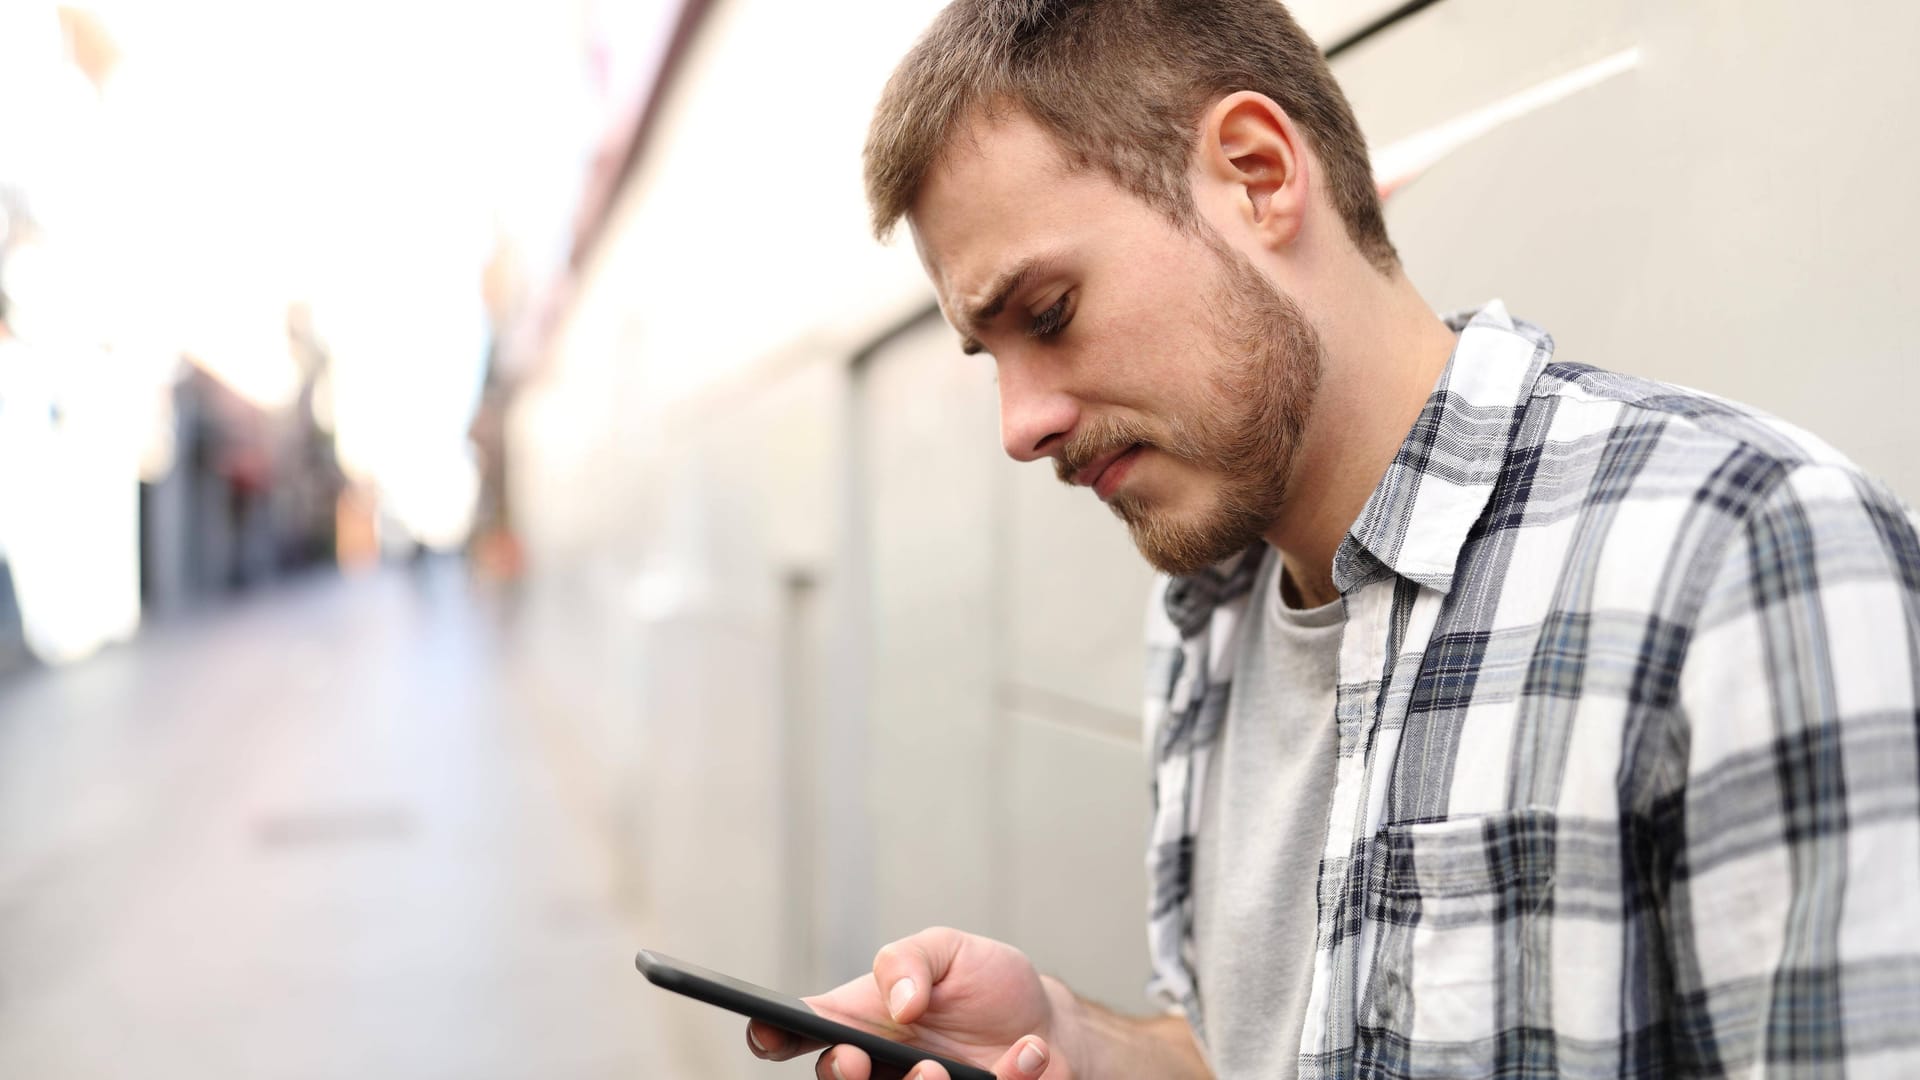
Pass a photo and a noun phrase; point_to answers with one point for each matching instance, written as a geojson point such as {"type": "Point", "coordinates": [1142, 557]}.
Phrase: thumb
{"type": "Point", "coordinates": [906, 970]}
{"type": "Point", "coordinates": [1024, 1060]}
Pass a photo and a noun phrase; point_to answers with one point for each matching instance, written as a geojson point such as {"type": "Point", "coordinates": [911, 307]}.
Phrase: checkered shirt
{"type": "Point", "coordinates": [1629, 771]}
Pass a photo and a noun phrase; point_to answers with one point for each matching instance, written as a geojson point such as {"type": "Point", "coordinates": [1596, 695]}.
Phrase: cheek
{"type": "Point", "coordinates": [1146, 359]}
{"type": "Point", "coordinates": [1175, 486]}
{"type": "Point", "coordinates": [1148, 329]}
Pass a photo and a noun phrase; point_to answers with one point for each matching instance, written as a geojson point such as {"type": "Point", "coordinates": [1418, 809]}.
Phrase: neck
{"type": "Point", "coordinates": [1385, 349]}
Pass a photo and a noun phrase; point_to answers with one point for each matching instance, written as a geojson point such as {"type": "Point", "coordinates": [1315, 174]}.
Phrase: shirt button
{"type": "Point", "coordinates": [1383, 1006]}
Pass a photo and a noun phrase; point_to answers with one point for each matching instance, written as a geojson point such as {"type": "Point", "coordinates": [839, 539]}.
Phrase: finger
{"type": "Point", "coordinates": [773, 1044]}
{"type": "Point", "coordinates": [843, 1063]}
{"type": "Point", "coordinates": [1024, 1060]}
{"type": "Point", "coordinates": [907, 970]}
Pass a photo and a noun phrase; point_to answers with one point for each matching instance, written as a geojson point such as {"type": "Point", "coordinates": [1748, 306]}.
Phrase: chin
{"type": "Point", "coordinates": [1186, 544]}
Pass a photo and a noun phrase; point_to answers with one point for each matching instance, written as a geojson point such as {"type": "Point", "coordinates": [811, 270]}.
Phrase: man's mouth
{"type": "Point", "coordinates": [1104, 473]}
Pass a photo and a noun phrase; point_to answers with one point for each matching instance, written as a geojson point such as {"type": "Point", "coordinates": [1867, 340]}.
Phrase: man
{"type": "Point", "coordinates": [1509, 717]}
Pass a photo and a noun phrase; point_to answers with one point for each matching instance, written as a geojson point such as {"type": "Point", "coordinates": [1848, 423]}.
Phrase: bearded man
{"type": "Point", "coordinates": [1508, 716]}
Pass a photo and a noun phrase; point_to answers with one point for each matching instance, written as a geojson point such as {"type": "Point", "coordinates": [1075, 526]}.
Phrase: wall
{"type": "Point", "coordinates": [1722, 216]}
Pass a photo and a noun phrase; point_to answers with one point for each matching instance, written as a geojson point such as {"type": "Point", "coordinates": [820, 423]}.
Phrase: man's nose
{"type": "Point", "coordinates": [1034, 417]}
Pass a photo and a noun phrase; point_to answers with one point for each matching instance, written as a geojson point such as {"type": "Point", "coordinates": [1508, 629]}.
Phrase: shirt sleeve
{"type": "Point", "coordinates": [1793, 907]}
{"type": "Point", "coordinates": [1169, 984]}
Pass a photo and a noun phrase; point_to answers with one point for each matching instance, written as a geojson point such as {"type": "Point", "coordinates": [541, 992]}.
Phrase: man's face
{"type": "Point", "coordinates": [1157, 366]}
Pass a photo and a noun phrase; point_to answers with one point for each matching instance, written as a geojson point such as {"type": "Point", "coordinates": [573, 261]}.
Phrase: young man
{"type": "Point", "coordinates": [1510, 717]}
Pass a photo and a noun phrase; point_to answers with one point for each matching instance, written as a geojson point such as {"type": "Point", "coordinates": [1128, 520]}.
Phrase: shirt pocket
{"type": "Point", "coordinates": [1464, 909]}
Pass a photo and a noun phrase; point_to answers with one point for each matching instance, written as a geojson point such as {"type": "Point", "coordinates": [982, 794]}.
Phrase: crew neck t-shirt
{"type": "Point", "coordinates": [1263, 822]}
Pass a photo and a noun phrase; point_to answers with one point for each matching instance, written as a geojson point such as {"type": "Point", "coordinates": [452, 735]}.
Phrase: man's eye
{"type": "Point", "coordinates": [1051, 321]}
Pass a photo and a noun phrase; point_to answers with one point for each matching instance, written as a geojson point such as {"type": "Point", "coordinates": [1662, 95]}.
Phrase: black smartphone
{"type": "Point", "coordinates": [786, 1012]}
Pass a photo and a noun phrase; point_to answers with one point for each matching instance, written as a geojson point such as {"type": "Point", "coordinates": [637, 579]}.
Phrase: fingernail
{"type": "Point", "coordinates": [897, 1000]}
{"type": "Point", "coordinates": [835, 1067]}
{"type": "Point", "coordinates": [1031, 1059]}
{"type": "Point", "coordinates": [756, 1042]}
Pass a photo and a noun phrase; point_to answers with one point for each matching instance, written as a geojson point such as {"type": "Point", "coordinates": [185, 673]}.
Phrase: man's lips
{"type": "Point", "coordinates": [1104, 473]}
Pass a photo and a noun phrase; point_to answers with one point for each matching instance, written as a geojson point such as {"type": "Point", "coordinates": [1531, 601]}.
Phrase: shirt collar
{"type": "Point", "coordinates": [1420, 514]}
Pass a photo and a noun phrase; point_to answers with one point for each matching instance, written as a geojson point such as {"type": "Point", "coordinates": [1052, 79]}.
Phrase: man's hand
{"type": "Point", "coordinates": [957, 995]}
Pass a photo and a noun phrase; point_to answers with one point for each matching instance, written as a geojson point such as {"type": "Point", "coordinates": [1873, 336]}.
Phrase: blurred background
{"type": "Point", "coordinates": [475, 501]}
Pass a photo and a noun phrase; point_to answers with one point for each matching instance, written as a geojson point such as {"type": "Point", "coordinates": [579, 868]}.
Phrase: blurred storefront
{"type": "Point", "coordinates": [254, 309]}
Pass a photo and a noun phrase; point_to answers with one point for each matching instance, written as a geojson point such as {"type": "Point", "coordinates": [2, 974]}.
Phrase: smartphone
{"type": "Point", "coordinates": [786, 1012]}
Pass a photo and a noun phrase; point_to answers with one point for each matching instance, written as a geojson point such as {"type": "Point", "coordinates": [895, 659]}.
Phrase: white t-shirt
{"type": "Point", "coordinates": [1263, 822]}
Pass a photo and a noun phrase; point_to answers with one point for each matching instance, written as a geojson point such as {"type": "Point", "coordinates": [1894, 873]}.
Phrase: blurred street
{"type": "Point", "coordinates": [315, 833]}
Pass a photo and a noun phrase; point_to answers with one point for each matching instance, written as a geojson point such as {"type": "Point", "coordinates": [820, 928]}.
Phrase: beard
{"type": "Point", "coordinates": [1259, 397]}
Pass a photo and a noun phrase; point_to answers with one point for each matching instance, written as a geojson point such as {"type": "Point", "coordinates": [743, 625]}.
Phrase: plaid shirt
{"type": "Point", "coordinates": [1627, 776]}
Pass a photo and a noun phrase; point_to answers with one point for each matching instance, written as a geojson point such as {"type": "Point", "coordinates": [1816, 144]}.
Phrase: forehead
{"type": "Point", "coordinates": [1004, 191]}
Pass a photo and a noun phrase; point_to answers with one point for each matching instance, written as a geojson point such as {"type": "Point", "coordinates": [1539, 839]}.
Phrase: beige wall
{"type": "Point", "coordinates": [1729, 215]}
{"type": "Point", "coordinates": [844, 671]}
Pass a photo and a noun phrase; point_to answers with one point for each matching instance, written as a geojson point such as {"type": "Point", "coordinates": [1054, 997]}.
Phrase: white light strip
{"type": "Point", "coordinates": [1394, 166]}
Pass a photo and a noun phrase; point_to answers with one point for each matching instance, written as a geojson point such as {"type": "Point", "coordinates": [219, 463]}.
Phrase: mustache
{"type": "Point", "coordinates": [1094, 440]}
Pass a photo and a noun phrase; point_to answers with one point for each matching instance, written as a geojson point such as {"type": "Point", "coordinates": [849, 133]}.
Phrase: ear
{"type": "Point", "coordinates": [1251, 150]}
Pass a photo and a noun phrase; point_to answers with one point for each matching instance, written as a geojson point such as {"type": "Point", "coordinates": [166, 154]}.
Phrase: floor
{"type": "Point", "coordinates": [319, 833]}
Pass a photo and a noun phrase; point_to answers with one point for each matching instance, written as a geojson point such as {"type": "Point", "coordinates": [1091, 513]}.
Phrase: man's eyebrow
{"type": "Point", "coordinates": [998, 293]}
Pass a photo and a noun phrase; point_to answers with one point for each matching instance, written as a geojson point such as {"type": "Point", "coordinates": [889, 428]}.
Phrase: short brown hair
{"type": "Point", "coordinates": [1120, 85]}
